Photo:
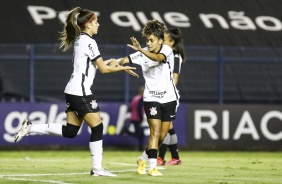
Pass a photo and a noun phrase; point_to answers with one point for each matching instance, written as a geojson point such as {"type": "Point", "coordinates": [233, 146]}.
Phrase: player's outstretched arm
{"type": "Point", "coordinates": [109, 66]}
{"type": "Point", "coordinates": [153, 56]}
{"type": "Point", "coordinates": [125, 60]}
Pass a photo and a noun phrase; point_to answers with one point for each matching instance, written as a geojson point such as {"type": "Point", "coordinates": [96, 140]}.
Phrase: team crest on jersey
{"type": "Point", "coordinates": [94, 104]}
{"type": "Point", "coordinates": [153, 111]}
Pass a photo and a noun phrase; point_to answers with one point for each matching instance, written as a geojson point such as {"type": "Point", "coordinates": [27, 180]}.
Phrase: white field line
{"type": "Point", "coordinates": [15, 176]}
{"type": "Point", "coordinates": [58, 174]}
{"type": "Point", "coordinates": [43, 181]}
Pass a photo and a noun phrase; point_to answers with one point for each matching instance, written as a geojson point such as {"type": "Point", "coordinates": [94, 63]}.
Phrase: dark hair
{"type": "Point", "coordinates": [73, 26]}
{"type": "Point", "coordinates": [176, 36]}
{"type": "Point", "coordinates": [154, 27]}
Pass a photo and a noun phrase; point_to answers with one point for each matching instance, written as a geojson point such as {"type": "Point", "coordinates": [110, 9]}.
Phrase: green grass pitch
{"type": "Point", "coordinates": [73, 167]}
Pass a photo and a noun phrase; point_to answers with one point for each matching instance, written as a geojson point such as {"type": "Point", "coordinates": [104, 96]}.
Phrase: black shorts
{"type": "Point", "coordinates": [164, 112]}
{"type": "Point", "coordinates": [81, 105]}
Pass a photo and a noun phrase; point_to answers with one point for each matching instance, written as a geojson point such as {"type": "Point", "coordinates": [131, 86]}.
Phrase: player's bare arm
{"type": "Point", "coordinates": [153, 56]}
{"type": "Point", "coordinates": [125, 60]}
{"type": "Point", "coordinates": [111, 66]}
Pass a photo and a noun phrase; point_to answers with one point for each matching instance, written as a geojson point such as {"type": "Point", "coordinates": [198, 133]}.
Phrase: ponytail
{"type": "Point", "coordinates": [176, 35]}
{"type": "Point", "coordinates": [73, 26]}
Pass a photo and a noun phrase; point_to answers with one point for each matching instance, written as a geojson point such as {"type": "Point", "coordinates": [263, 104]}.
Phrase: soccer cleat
{"type": "Point", "coordinates": [174, 161]}
{"type": "Point", "coordinates": [141, 166]}
{"type": "Point", "coordinates": [155, 172]}
{"type": "Point", "coordinates": [160, 161]}
{"type": "Point", "coordinates": [101, 172]}
{"type": "Point", "coordinates": [23, 131]}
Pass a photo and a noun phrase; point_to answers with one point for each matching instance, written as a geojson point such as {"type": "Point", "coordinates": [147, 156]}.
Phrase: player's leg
{"type": "Point", "coordinates": [173, 145]}
{"type": "Point", "coordinates": [94, 121]}
{"type": "Point", "coordinates": [169, 115]}
{"type": "Point", "coordinates": [153, 144]}
{"type": "Point", "coordinates": [69, 130]}
{"type": "Point", "coordinates": [173, 148]}
{"type": "Point", "coordinates": [163, 148]}
{"type": "Point", "coordinates": [153, 113]}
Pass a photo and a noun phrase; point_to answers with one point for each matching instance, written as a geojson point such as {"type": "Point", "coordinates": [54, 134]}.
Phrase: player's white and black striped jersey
{"type": "Point", "coordinates": [177, 62]}
{"type": "Point", "coordinates": [159, 86]}
{"type": "Point", "coordinates": [85, 51]}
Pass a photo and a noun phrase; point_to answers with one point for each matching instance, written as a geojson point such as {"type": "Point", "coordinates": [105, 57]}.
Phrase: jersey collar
{"type": "Point", "coordinates": [83, 33]}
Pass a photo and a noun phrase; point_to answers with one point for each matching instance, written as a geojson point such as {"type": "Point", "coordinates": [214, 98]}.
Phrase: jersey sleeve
{"type": "Point", "coordinates": [136, 58]}
{"type": "Point", "coordinates": [142, 60]}
{"type": "Point", "coordinates": [177, 64]}
{"type": "Point", "coordinates": [166, 51]}
{"type": "Point", "coordinates": [92, 51]}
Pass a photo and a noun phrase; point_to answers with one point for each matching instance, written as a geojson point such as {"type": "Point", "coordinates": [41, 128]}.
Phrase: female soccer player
{"type": "Point", "coordinates": [160, 95]}
{"type": "Point", "coordinates": [81, 105]}
{"type": "Point", "coordinates": [173, 38]}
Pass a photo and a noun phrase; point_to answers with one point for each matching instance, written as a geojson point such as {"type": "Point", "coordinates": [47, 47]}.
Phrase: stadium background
{"type": "Point", "coordinates": [230, 87]}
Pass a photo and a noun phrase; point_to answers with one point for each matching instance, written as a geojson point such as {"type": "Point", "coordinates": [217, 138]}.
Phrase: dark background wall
{"type": "Point", "coordinates": [219, 22]}
{"type": "Point", "coordinates": [233, 48]}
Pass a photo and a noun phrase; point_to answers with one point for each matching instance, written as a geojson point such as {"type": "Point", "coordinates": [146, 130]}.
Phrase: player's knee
{"type": "Point", "coordinates": [171, 131]}
{"type": "Point", "coordinates": [96, 133]}
{"type": "Point", "coordinates": [162, 136]}
{"type": "Point", "coordinates": [70, 131]}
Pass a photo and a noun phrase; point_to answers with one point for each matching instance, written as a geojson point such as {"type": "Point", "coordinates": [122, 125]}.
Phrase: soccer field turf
{"type": "Point", "coordinates": [65, 167]}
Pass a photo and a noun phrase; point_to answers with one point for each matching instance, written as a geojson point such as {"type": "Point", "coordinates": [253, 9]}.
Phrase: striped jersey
{"type": "Point", "coordinates": [81, 80]}
{"type": "Point", "coordinates": [177, 62]}
{"type": "Point", "coordinates": [159, 86]}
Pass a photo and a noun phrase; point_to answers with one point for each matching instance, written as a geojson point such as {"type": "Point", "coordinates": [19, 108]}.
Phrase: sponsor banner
{"type": "Point", "coordinates": [114, 116]}
{"type": "Point", "coordinates": [229, 23]}
{"type": "Point", "coordinates": [234, 127]}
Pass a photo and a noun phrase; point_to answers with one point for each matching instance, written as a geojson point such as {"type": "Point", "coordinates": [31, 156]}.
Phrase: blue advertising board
{"type": "Point", "coordinates": [114, 116]}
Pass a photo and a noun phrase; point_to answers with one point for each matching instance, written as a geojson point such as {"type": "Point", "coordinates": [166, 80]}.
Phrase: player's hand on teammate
{"type": "Point", "coordinates": [135, 44]}
{"type": "Point", "coordinates": [112, 62]}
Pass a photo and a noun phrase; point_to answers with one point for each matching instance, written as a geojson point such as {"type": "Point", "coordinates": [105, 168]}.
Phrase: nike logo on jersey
{"type": "Point", "coordinates": [172, 116]}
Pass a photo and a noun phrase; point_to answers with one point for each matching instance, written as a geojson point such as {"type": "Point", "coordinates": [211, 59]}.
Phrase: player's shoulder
{"type": "Point", "coordinates": [166, 48]}
{"type": "Point", "coordinates": [176, 53]}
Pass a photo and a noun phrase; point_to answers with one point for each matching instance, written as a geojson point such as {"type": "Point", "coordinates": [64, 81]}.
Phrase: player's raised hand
{"type": "Point", "coordinates": [135, 44]}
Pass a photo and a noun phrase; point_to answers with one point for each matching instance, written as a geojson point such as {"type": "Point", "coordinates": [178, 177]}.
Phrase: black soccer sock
{"type": "Point", "coordinates": [173, 148]}
{"type": "Point", "coordinates": [162, 150]}
{"type": "Point", "coordinates": [152, 153]}
{"type": "Point", "coordinates": [174, 151]}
